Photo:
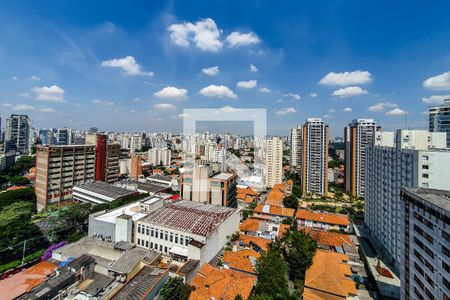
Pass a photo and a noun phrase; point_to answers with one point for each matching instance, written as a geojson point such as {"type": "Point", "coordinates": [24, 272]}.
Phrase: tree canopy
{"type": "Point", "coordinates": [272, 271]}
{"type": "Point", "coordinates": [290, 201]}
{"type": "Point", "coordinates": [10, 197]}
{"type": "Point", "coordinates": [175, 288]}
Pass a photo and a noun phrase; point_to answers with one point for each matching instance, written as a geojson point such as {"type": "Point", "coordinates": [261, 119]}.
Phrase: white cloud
{"type": "Point", "coordinates": [184, 115]}
{"type": "Point", "coordinates": [349, 92]}
{"type": "Point", "coordinates": [102, 102]}
{"type": "Point", "coordinates": [331, 110]}
{"type": "Point", "coordinates": [286, 111]}
{"type": "Point", "coordinates": [132, 110]}
{"type": "Point", "coordinates": [128, 64]}
{"type": "Point", "coordinates": [396, 112]}
{"type": "Point", "coordinates": [347, 109]}
{"type": "Point", "coordinates": [136, 99]}
{"type": "Point", "coordinates": [211, 71]}
{"type": "Point", "coordinates": [7, 104]}
{"type": "Point", "coordinates": [346, 78]}
{"type": "Point", "coordinates": [440, 82]}
{"type": "Point", "coordinates": [24, 95]}
{"type": "Point", "coordinates": [247, 84]}
{"type": "Point", "coordinates": [293, 95]}
{"type": "Point", "coordinates": [47, 110]}
{"type": "Point", "coordinates": [35, 78]}
{"type": "Point", "coordinates": [204, 34]}
{"type": "Point", "coordinates": [236, 39]}
{"type": "Point", "coordinates": [52, 93]}
{"type": "Point", "coordinates": [313, 95]}
{"type": "Point", "coordinates": [253, 68]}
{"type": "Point", "coordinates": [23, 107]}
{"type": "Point", "coordinates": [264, 90]}
{"type": "Point", "coordinates": [14, 78]}
{"type": "Point", "coordinates": [164, 106]}
{"type": "Point", "coordinates": [326, 116]}
{"type": "Point", "coordinates": [435, 99]}
{"type": "Point", "coordinates": [220, 91]}
{"type": "Point", "coordinates": [279, 100]}
{"type": "Point", "coordinates": [229, 109]}
{"type": "Point", "coordinates": [379, 107]}
{"type": "Point", "coordinates": [172, 93]}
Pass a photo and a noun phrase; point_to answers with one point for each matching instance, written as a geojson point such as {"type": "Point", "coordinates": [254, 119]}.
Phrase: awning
{"type": "Point", "coordinates": [179, 251]}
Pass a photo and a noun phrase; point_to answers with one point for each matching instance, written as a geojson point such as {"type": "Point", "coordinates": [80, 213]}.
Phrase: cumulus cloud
{"type": "Point", "coordinates": [379, 107]}
{"type": "Point", "coordinates": [247, 84]}
{"type": "Point", "coordinates": [346, 109]}
{"type": "Point", "coordinates": [51, 93]}
{"type": "Point", "coordinates": [264, 90]}
{"type": "Point", "coordinates": [439, 82]}
{"type": "Point", "coordinates": [164, 106]}
{"type": "Point", "coordinates": [204, 34]}
{"type": "Point", "coordinates": [229, 109]}
{"type": "Point", "coordinates": [102, 102]}
{"type": "Point", "coordinates": [35, 78]}
{"type": "Point", "coordinates": [313, 95]}
{"type": "Point", "coordinates": [435, 99]}
{"type": "Point", "coordinates": [128, 64]}
{"type": "Point", "coordinates": [285, 111]}
{"type": "Point", "coordinates": [211, 71]}
{"type": "Point", "coordinates": [396, 112]}
{"type": "Point", "coordinates": [293, 95]}
{"type": "Point", "coordinates": [346, 78]}
{"type": "Point", "coordinates": [23, 107]}
{"type": "Point", "coordinates": [172, 93]}
{"type": "Point", "coordinates": [253, 68]}
{"type": "Point", "coordinates": [47, 110]}
{"type": "Point", "coordinates": [331, 110]}
{"type": "Point", "coordinates": [15, 78]}
{"type": "Point", "coordinates": [279, 100]}
{"type": "Point", "coordinates": [236, 39]}
{"type": "Point", "coordinates": [349, 92]}
{"type": "Point", "coordinates": [220, 91]}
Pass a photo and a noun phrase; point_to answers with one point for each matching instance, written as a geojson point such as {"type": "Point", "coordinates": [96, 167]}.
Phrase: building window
{"type": "Point", "coordinates": [166, 237]}
{"type": "Point", "coordinates": [424, 175]}
{"type": "Point", "coordinates": [139, 241]}
{"type": "Point", "coordinates": [146, 244]}
{"type": "Point", "coordinates": [147, 230]}
{"type": "Point", "coordinates": [425, 167]}
{"type": "Point", "coordinates": [151, 245]}
{"type": "Point", "coordinates": [156, 233]}
{"type": "Point", "coordinates": [176, 238]}
{"type": "Point", "coordinates": [186, 241]}
{"type": "Point", "coordinates": [171, 237]}
{"type": "Point", "coordinates": [139, 228]}
{"type": "Point", "coordinates": [181, 240]}
{"type": "Point", "coordinates": [156, 246]}
{"type": "Point", "coordinates": [151, 232]}
{"type": "Point", "coordinates": [165, 249]}
{"type": "Point", "coordinates": [161, 234]}
{"type": "Point", "coordinates": [160, 248]}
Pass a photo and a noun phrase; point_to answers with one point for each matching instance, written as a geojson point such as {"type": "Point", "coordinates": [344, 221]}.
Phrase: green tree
{"type": "Point", "coordinates": [272, 272]}
{"type": "Point", "coordinates": [71, 221]}
{"type": "Point", "coordinates": [290, 202]}
{"type": "Point", "coordinates": [238, 297]}
{"type": "Point", "coordinates": [296, 191]}
{"type": "Point", "coordinates": [10, 197]}
{"type": "Point", "coordinates": [175, 288]}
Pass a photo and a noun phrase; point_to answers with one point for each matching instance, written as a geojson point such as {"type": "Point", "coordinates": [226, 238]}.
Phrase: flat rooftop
{"type": "Point", "coordinates": [439, 198]}
{"type": "Point", "coordinates": [223, 176]}
{"type": "Point", "coordinates": [105, 189]}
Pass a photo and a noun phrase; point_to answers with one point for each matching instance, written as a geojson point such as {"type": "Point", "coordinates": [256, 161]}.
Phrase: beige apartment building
{"type": "Point", "coordinates": [274, 161]}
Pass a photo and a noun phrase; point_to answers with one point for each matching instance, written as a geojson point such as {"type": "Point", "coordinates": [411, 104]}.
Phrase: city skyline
{"type": "Point", "coordinates": [79, 66]}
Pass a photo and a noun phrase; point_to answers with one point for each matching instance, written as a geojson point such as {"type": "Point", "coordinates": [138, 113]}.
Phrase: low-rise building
{"type": "Point", "coordinates": [99, 192]}
{"type": "Point", "coordinates": [241, 260]}
{"type": "Point", "coordinates": [322, 220]}
{"type": "Point", "coordinates": [273, 213]}
{"type": "Point", "coordinates": [262, 228]}
{"type": "Point", "coordinates": [187, 230]}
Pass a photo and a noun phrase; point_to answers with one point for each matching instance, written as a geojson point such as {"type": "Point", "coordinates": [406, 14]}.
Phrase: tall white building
{"type": "Point", "coordinates": [18, 134]}
{"type": "Point", "coordinates": [296, 149]}
{"type": "Point", "coordinates": [314, 156]}
{"type": "Point", "coordinates": [425, 272]}
{"type": "Point", "coordinates": [159, 157]}
{"type": "Point", "coordinates": [439, 119]}
{"type": "Point", "coordinates": [418, 159]}
{"type": "Point", "coordinates": [358, 134]}
{"type": "Point", "coordinates": [274, 161]}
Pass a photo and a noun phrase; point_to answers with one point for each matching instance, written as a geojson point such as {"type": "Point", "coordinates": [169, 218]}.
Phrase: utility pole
{"type": "Point", "coordinates": [23, 252]}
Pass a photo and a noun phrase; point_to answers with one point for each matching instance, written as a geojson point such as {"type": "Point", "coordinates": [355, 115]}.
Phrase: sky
{"type": "Point", "coordinates": [135, 65]}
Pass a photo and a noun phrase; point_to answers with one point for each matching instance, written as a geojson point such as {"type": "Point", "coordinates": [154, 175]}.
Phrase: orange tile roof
{"type": "Point", "coordinates": [329, 238]}
{"type": "Point", "coordinates": [25, 281]}
{"type": "Point", "coordinates": [309, 294]}
{"type": "Point", "coordinates": [241, 196]}
{"type": "Point", "coordinates": [258, 241]}
{"type": "Point", "coordinates": [275, 210]}
{"type": "Point", "coordinates": [330, 218]}
{"type": "Point", "coordinates": [240, 260]}
{"type": "Point", "coordinates": [250, 224]}
{"type": "Point", "coordinates": [247, 191]}
{"type": "Point", "coordinates": [249, 199]}
{"type": "Point", "coordinates": [329, 274]}
{"type": "Point", "coordinates": [13, 188]}
{"type": "Point", "coordinates": [221, 284]}
{"type": "Point", "coordinates": [276, 195]}
{"type": "Point", "coordinates": [283, 229]}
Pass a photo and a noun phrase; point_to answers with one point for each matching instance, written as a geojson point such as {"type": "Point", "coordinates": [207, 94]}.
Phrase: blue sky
{"type": "Point", "coordinates": [135, 65]}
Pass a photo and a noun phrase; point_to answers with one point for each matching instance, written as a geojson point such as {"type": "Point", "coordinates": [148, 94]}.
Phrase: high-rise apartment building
{"type": "Point", "coordinates": [358, 134]}
{"type": "Point", "coordinates": [64, 136]}
{"type": "Point", "coordinates": [414, 158]}
{"type": "Point", "coordinates": [425, 272]}
{"type": "Point", "coordinates": [296, 149]}
{"type": "Point", "coordinates": [204, 186]}
{"type": "Point", "coordinates": [135, 167]}
{"type": "Point", "coordinates": [160, 157]}
{"type": "Point", "coordinates": [439, 119]}
{"type": "Point", "coordinates": [18, 134]}
{"type": "Point", "coordinates": [107, 158]}
{"type": "Point", "coordinates": [314, 157]}
{"type": "Point", "coordinates": [59, 169]}
{"type": "Point", "coordinates": [274, 161]}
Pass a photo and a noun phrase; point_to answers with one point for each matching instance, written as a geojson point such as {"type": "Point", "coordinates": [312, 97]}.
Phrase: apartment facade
{"type": "Point", "coordinates": [314, 157]}
{"type": "Point", "coordinates": [274, 161]}
{"type": "Point", "coordinates": [18, 132]}
{"type": "Point", "coordinates": [160, 157]}
{"type": "Point", "coordinates": [107, 158]}
{"type": "Point", "coordinates": [358, 134]}
{"type": "Point", "coordinates": [135, 167]}
{"type": "Point", "coordinates": [59, 169]}
{"type": "Point", "coordinates": [439, 119]}
{"type": "Point", "coordinates": [296, 149]}
{"type": "Point", "coordinates": [425, 270]}
{"type": "Point", "coordinates": [418, 159]}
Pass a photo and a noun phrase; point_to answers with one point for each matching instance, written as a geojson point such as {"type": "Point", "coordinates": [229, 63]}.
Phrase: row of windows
{"type": "Point", "coordinates": [163, 235]}
{"type": "Point", "coordinates": [154, 246]}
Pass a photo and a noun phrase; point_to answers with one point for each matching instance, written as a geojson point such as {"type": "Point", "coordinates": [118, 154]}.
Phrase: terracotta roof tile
{"type": "Point", "coordinates": [258, 241]}
{"type": "Point", "coordinates": [329, 238]}
{"type": "Point", "coordinates": [223, 284]}
{"type": "Point", "coordinates": [250, 224]}
{"type": "Point", "coordinates": [330, 218]}
{"type": "Point", "coordinates": [274, 210]}
{"type": "Point", "coordinates": [241, 260]}
{"type": "Point", "coordinates": [276, 195]}
{"type": "Point", "coordinates": [247, 191]}
{"type": "Point", "coordinates": [309, 294]}
{"type": "Point", "coordinates": [329, 274]}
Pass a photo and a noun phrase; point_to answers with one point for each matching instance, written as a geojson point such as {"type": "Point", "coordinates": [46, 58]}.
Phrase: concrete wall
{"type": "Point", "coordinates": [101, 228]}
